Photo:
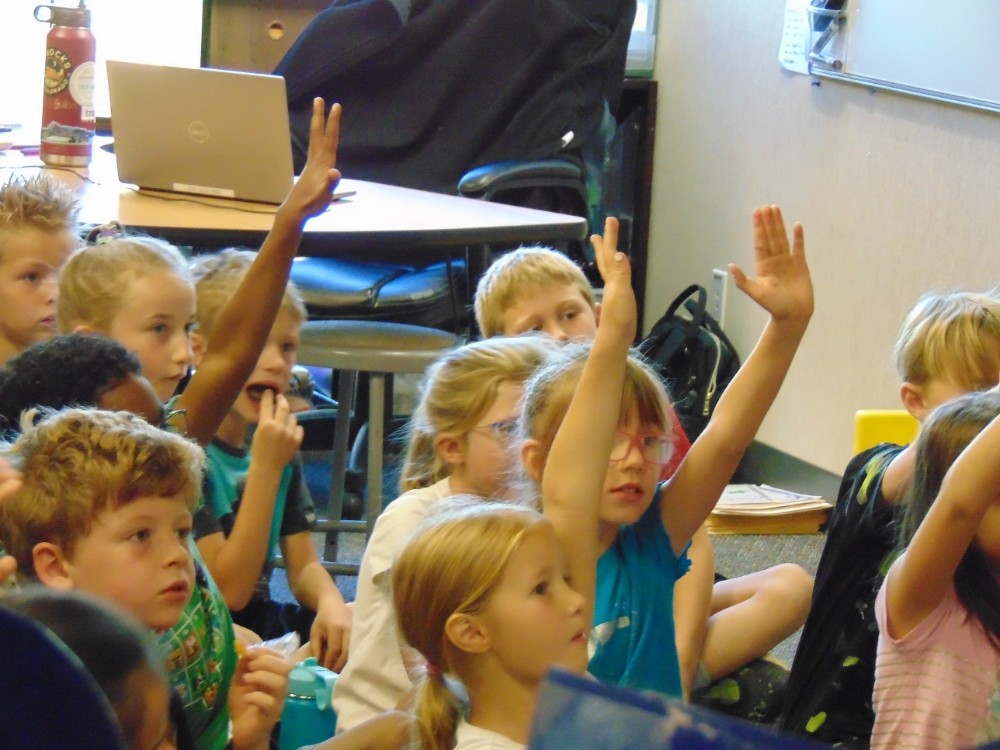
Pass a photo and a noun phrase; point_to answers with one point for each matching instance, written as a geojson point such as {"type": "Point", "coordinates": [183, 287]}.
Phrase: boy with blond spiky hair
{"type": "Point", "coordinates": [37, 235]}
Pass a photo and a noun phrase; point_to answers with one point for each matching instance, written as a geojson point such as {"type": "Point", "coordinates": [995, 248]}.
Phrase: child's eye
{"type": "Point", "coordinates": [142, 535]}
{"type": "Point", "coordinates": [541, 589]}
{"type": "Point", "coordinates": [289, 348]}
{"type": "Point", "coordinates": [190, 328]}
{"type": "Point", "coordinates": [184, 532]}
{"type": "Point", "coordinates": [32, 277]}
{"type": "Point", "coordinates": [159, 329]}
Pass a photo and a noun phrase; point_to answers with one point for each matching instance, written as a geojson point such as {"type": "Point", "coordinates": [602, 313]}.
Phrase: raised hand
{"type": "Point", "coordinates": [618, 307]}
{"type": "Point", "coordinates": [278, 435]}
{"type": "Point", "coordinates": [313, 191]}
{"type": "Point", "coordinates": [782, 284]}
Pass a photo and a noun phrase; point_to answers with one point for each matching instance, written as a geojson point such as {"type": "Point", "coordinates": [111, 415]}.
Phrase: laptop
{"type": "Point", "coordinates": [201, 131]}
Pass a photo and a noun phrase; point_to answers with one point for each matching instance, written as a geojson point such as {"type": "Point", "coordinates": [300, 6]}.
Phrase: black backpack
{"type": "Point", "coordinates": [694, 358]}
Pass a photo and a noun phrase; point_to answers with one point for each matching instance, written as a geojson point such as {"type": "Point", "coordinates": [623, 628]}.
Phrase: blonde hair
{"type": "Point", "coordinates": [38, 202]}
{"type": "Point", "coordinates": [458, 390]}
{"type": "Point", "coordinates": [95, 280]}
{"type": "Point", "coordinates": [77, 463]}
{"type": "Point", "coordinates": [952, 336]}
{"type": "Point", "coordinates": [519, 274]}
{"type": "Point", "coordinates": [451, 564]}
{"type": "Point", "coordinates": [548, 393]}
{"type": "Point", "coordinates": [217, 276]}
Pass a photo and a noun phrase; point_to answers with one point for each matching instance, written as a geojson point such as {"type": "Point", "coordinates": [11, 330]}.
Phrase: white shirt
{"type": "Point", "coordinates": [469, 737]}
{"type": "Point", "coordinates": [374, 679]}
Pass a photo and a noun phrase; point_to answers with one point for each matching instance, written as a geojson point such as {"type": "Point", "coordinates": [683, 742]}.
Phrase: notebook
{"type": "Point", "coordinates": [201, 131]}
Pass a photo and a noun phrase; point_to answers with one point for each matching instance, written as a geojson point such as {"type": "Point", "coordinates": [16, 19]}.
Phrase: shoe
{"type": "Point", "coordinates": [755, 692]}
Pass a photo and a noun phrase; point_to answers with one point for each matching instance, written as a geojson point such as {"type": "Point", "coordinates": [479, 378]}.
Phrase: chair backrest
{"type": "Point", "coordinates": [874, 426]}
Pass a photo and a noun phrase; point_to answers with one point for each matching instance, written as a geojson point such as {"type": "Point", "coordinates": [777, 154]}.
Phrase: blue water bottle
{"type": "Point", "coordinates": [308, 717]}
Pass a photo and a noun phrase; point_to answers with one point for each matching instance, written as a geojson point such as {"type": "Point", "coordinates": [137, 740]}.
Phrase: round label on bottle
{"type": "Point", "coordinates": [81, 88]}
{"type": "Point", "coordinates": [58, 68]}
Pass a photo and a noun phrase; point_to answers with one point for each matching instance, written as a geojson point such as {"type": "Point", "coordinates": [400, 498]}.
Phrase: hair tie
{"type": "Point", "coordinates": [105, 233]}
{"type": "Point", "coordinates": [433, 670]}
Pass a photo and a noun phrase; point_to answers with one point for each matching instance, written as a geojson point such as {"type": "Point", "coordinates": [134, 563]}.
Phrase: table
{"type": "Point", "coordinates": [380, 218]}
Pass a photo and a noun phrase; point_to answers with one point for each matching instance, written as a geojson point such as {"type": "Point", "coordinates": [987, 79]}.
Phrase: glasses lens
{"type": "Point", "coordinates": [505, 428]}
{"type": "Point", "coordinates": [653, 448]}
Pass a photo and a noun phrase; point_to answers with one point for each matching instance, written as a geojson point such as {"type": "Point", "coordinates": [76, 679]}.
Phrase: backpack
{"type": "Point", "coordinates": [693, 357]}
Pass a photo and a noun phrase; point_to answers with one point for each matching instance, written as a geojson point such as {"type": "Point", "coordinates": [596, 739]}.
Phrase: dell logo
{"type": "Point", "coordinates": [198, 131]}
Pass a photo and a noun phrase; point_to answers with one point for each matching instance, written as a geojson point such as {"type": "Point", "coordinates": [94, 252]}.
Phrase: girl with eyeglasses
{"type": "Point", "coordinates": [644, 525]}
{"type": "Point", "coordinates": [459, 444]}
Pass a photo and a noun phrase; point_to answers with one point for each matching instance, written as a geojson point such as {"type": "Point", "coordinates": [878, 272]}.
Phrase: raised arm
{"type": "Point", "coordinates": [245, 321]}
{"type": "Point", "coordinates": [919, 580]}
{"type": "Point", "coordinates": [573, 477]}
{"type": "Point", "coordinates": [781, 286]}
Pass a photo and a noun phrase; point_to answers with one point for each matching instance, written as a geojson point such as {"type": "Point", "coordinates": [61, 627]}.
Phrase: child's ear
{"type": "Point", "coordinates": [533, 459]}
{"type": "Point", "coordinates": [912, 397]}
{"type": "Point", "coordinates": [450, 448]}
{"type": "Point", "coordinates": [51, 566]}
{"type": "Point", "coordinates": [466, 633]}
{"type": "Point", "coordinates": [198, 346]}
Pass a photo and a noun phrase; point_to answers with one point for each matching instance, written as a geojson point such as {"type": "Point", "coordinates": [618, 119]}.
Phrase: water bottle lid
{"type": "Point", "coordinates": [60, 16]}
{"type": "Point", "coordinates": [309, 680]}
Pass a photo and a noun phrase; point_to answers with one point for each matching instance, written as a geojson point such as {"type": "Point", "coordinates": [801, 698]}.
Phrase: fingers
{"type": "Point", "coordinates": [769, 235]}
{"type": "Point", "coordinates": [605, 247]}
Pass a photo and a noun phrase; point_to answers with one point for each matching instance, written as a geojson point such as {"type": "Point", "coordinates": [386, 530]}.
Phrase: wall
{"type": "Point", "coordinates": [897, 196]}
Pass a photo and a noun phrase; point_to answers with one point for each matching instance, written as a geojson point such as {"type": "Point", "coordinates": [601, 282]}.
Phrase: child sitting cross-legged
{"type": "Point", "coordinates": [722, 626]}
{"type": "Point", "coordinates": [459, 443]}
{"type": "Point", "coordinates": [643, 526]}
{"type": "Point", "coordinates": [105, 507]}
{"type": "Point", "coordinates": [255, 494]}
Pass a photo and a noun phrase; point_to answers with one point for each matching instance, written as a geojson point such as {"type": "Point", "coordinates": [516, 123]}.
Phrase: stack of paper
{"type": "Point", "coordinates": [760, 509]}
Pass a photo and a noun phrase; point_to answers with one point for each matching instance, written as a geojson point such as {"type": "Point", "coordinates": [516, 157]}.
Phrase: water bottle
{"type": "Point", "coordinates": [308, 717]}
{"type": "Point", "coordinates": [68, 119]}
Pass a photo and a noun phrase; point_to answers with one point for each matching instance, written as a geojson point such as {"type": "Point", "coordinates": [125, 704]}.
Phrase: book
{"type": "Point", "coordinates": [762, 509]}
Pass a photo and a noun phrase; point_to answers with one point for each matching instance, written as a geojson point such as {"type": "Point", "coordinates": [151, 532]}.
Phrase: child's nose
{"type": "Point", "coordinates": [184, 349]}
{"type": "Point", "coordinates": [556, 331]}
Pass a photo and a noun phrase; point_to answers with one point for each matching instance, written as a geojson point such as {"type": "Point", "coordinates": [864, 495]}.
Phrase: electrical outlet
{"type": "Point", "coordinates": [717, 296]}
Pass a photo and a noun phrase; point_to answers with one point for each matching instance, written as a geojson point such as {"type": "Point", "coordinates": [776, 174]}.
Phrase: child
{"type": "Point", "coordinates": [255, 493]}
{"type": "Point", "coordinates": [37, 234]}
{"type": "Point", "coordinates": [139, 291]}
{"type": "Point", "coordinates": [483, 591]}
{"type": "Point", "coordinates": [536, 288]}
{"type": "Point", "coordinates": [75, 369]}
{"type": "Point", "coordinates": [938, 610]}
{"type": "Point", "coordinates": [644, 528]}
{"type": "Point", "coordinates": [120, 657]}
{"type": "Point", "coordinates": [948, 344]}
{"type": "Point", "coordinates": [105, 507]}
{"type": "Point", "coordinates": [459, 444]}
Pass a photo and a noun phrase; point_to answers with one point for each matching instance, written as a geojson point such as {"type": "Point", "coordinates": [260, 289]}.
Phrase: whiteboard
{"type": "Point", "coordinates": [947, 50]}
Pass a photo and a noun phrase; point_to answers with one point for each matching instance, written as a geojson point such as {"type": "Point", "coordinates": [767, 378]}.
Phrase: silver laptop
{"type": "Point", "coordinates": [201, 131]}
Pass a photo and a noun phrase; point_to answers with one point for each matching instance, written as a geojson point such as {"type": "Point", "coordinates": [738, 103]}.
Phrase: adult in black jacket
{"type": "Point", "coordinates": [433, 88]}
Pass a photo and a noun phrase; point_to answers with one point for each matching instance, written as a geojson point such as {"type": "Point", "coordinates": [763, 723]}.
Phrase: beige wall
{"type": "Point", "coordinates": [897, 195]}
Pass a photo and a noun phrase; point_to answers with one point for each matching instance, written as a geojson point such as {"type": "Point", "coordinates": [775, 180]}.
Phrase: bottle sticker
{"type": "Point", "coordinates": [58, 68]}
{"type": "Point", "coordinates": [81, 88]}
